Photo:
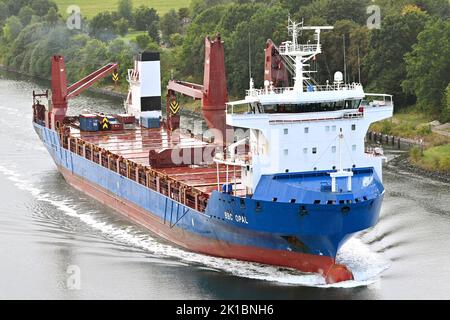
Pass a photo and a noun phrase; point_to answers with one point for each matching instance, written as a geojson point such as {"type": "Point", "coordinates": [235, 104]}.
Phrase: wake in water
{"type": "Point", "coordinates": [366, 265]}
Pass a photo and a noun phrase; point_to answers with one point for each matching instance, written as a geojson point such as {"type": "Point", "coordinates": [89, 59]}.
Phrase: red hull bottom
{"type": "Point", "coordinates": [325, 266]}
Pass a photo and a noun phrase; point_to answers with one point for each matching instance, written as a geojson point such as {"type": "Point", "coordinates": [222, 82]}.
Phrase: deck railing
{"type": "Point", "coordinates": [309, 88]}
{"type": "Point", "coordinates": [288, 48]}
{"type": "Point", "coordinates": [144, 175]}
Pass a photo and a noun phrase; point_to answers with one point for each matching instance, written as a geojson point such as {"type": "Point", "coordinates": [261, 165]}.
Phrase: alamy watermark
{"type": "Point", "coordinates": [73, 21]}
{"type": "Point", "coordinates": [374, 19]}
{"type": "Point", "coordinates": [73, 281]}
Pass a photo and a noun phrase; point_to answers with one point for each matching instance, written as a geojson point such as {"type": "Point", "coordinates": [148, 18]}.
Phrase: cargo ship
{"type": "Point", "coordinates": [289, 191]}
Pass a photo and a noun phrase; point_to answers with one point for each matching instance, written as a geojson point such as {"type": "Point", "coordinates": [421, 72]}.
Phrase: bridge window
{"type": "Point", "coordinates": [286, 131]}
{"type": "Point", "coordinates": [312, 107]}
{"type": "Point", "coordinates": [353, 127]}
{"type": "Point", "coordinates": [314, 150]}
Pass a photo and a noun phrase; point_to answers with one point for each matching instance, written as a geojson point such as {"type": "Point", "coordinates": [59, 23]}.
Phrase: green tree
{"type": "Point", "coordinates": [52, 16]}
{"type": "Point", "coordinates": [143, 40]}
{"type": "Point", "coordinates": [446, 105]}
{"type": "Point", "coordinates": [147, 19]}
{"type": "Point", "coordinates": [170, 24]}
{"type": "Point", "coordinates": [265, 23]}
{"type": "Point", "coordinates": [25, 15]}
{"type": "Point", "coordinates": [191, 53]}
{"type": "Point", "coordinates": [331, 11]}
{"type": "Point", "coordinates": [440, 8]}
{"type": "Point", "coordinates": [4, 13]}
{"type": "Point", "coordinates": [92, 56]}
{"type": "Point", "coordinates": [12, 28]}
{"type": "Point", "coordinates": [428, 66]}
{"type": "Point", "coordinates": [176, 39]}
{"type": "Point", "coordinates": [102, 26]}
{"type": "Point", "coordinates": [183, 13]}
{"type": "Point", "coordinates": [125, 9]}
{"type": "Point", "coordinates": [41, 7]}
{"type": "Point", "coordinates": [354, 10]}
{"type": "Point", "coordinates": [121, 26]}
{"type": "Point", "coordinates": [384, 64]}
{"type": "Point", "coordinates": [332, 59]}
{"type": "Point", "coordinates": [294, 5]}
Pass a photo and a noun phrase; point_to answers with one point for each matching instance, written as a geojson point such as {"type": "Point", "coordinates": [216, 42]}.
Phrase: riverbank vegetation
{"type": "Point", "coordinates": [407, 56]}
{"type": "Point", "coordinates": [432, 159]}
{"type": "Point", "coordinates": [91, 8]}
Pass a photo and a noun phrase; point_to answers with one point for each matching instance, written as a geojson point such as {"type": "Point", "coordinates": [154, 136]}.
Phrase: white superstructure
{"type": "Point", "coordinates": [144, 84]}
{"type": "Point", "coordinates": [307, 127]}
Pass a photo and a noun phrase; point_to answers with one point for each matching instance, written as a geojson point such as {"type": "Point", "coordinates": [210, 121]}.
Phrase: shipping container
{"type": "Point", "coordinates": [125, 118]}
{"type": "Point", "coordinates": [88, 122]}
{"type": "Point", "coordinates": [151, 119]}
{"type": "Point", "coordinates": [115, 125]}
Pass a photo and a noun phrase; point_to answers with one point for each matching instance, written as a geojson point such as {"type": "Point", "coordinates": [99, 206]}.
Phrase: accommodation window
{"type": "Point", "coordinates": [286, 131]}
{"type": "Point", "coordinates": [314, 150]}
{"type": "Point", "coordinates": [306, 130]}
{"type": "Point", "coordinates": [327, 128]}
{"type": "Point", "coordinates": [333, 128]}
{"type": "Point", "coordinates": [305, 150]}
{"type": "Point", "coordinates": [353, 127]}
{"type": "Point", "coordinates": [354, 147]}
{"type": "Point", "coordinates": [333, 149]}
{"type": "Point", "coordinates": [286, 152]}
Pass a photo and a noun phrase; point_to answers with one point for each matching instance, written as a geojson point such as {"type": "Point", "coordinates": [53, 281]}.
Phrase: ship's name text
{"type": "Point", "coordinates": [232, 217]}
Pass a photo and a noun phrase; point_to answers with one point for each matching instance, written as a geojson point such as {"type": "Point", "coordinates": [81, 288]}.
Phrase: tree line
{"type": "Point", "coordinates": [408, 56]}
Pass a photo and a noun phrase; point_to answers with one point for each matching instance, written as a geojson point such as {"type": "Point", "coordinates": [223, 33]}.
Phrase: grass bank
{"type": "Point", "coordinates": [432, 159]}
{"type": "Point", "coordinates": [90, 8]}
{"type": "Point", "coordinates": [412, 124]}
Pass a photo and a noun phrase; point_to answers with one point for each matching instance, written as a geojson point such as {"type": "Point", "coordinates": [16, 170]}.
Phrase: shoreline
{"type": "Point", "coordinates": [403, 163]}
{"type": "Point", "coordinates": [103, 91]}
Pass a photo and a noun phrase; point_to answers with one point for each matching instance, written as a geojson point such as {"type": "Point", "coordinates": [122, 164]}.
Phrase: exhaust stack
{"type": "Point", "coordinates": [145, 84]}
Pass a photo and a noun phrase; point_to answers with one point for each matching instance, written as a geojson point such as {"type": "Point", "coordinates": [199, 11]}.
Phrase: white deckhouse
{"type": "Point", "coordinates": [307, 127]}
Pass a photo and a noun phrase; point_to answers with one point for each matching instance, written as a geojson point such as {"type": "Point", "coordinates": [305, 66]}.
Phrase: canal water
{"type": "Point", "coordinates": [57, 243]}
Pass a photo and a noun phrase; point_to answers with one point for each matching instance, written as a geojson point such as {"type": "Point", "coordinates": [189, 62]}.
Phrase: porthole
{"type": "Point", "coordinates": [345, 210]}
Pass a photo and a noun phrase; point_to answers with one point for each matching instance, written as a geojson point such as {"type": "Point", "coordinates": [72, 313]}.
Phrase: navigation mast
{"type": "Point", "coordinates": [301, 53]}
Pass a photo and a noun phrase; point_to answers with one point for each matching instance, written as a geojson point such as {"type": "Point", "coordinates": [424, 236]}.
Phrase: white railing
{"type": "Point", "coordinates": [132, 75]}
{"type": "Point", "coordinates": [309, 88]}
{"type": "Point", "coordinates": [289, 48]}
{"type": "Point", "coordinates": [346, 115]}
{"type": "Point", "coordinates": [386, 99]}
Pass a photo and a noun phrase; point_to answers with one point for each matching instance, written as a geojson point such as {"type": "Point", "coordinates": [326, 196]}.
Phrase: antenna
{"type": "Point", "coordinates": [345, 61]}
{"type": "Point", "coordinates": [249, 58]}
{"type": "Point", "coordinates": [359, 67]}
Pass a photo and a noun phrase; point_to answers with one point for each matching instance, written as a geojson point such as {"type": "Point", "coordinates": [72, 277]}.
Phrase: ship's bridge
{"type": "Point", "coordinates": [313, 94]}
{"type": "Point", "coordinates": [299, 132]}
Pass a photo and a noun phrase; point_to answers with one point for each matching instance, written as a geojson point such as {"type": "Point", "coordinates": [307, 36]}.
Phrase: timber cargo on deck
{"type": "Point", "coordinates": [288, 193]}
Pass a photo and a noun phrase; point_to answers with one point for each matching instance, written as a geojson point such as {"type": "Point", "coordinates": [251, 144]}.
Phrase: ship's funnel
{"type": "Point", "coordinates": [215, 85]}
{"type": "Point", "coordinates": [145, 84]}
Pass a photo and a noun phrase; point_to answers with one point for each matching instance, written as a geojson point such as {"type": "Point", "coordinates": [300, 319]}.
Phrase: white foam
{"type": "Point", "coordinates": [365, 264]}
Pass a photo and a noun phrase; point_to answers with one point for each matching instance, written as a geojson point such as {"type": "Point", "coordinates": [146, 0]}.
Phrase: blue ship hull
{"type": "Point", "coordinates": [266, 228]}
